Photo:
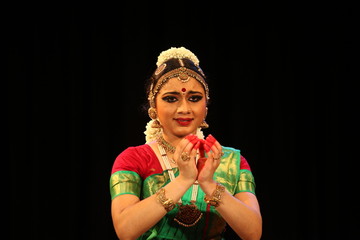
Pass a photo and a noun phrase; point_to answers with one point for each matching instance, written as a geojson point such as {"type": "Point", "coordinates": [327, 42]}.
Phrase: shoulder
{"type": "Point", "coordinates": [230, 150]}
{"type": "Point", "coordinates": [236, 153]}
{"type": "Point", "coordinates": [134, 151]}
{"type": "Point", "coordinates": [132, 158]}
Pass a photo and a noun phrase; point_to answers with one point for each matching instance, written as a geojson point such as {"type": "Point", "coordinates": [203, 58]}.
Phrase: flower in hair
{"type": "Point", "coordinates": [150, 132]}
{"type": "Point", "coordinates": [178, 53]}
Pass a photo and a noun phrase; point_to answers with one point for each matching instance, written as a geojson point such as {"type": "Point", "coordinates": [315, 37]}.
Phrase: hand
{"type": "Point", "coordinates": [185, 157]}
{"type": "Point", "coordinates": [207, 166]}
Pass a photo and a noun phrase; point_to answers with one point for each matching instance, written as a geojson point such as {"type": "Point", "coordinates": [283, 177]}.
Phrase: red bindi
{"type": "Point", "coordinates": [183, 89]}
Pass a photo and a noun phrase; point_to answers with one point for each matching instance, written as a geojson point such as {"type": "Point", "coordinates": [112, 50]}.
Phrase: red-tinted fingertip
{"type": "Point", "coordinates": [211, 139]}
{"type": "Point", "coordinates": [197, 145]}
{"type": "Point", "coordinates": [190, 137]}
{"type": "Point", "coordinates": [206, 147]}
{"type": "Point", "coordinates": [195, 141]}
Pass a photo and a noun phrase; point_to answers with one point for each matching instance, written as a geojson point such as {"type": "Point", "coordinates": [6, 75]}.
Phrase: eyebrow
{"type": "Point", "coordinates": [177, 93]}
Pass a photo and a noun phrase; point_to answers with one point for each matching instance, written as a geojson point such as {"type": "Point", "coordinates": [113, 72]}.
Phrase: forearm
{"type": "Point", "coordinates": [243, 219]}
{"type": "Point", "coordinates": [242, 215]}
{"type": "Point", "coordinates": [137, 218]}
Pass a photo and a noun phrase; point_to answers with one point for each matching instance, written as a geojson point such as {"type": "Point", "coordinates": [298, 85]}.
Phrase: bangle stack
{"type": "Point", "coordinates": [215, 198]}
{"type": "Point", "coordinates": [167, 203]}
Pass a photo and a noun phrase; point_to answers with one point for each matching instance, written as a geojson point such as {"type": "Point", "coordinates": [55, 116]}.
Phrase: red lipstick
{"type": "Point", "coordinates": [184, 121]}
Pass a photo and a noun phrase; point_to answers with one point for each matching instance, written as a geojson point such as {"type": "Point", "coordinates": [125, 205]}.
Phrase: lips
{"type": "Point", "coordinates": [184, 121]}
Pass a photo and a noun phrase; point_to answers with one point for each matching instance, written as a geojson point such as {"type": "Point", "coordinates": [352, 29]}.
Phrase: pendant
{"type": "Point", "coordinates": [188, 215]}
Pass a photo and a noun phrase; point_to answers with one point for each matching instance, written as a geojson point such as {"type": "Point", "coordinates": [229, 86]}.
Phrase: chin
{"type": "Point", "coordinates": [184, 132]}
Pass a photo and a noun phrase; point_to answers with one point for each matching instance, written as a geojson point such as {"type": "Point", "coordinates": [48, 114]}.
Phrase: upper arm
{"type": "Point", "coordinates": [120, 203]}
{"type": "Point", "coordinates": [249, 199]}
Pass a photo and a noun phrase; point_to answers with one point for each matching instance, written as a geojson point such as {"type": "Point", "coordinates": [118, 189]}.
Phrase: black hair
{"type": "Point", "coordinates": [170, 64]}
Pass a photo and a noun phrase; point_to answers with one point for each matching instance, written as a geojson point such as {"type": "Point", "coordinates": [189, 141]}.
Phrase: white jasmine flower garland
{"type": "Point", "coordinates": [178, 53]}
{"type": "Point", "coordinates": [151, 133]}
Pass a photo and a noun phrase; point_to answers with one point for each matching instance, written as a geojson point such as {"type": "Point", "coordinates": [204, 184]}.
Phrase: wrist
{"type": "Point", "coordinates": [184, 182]}
{"type": "Point", "coordinates": [215, 198]}
{"type": "Point", "coordinates": [167, 203]}
{"type": "Point", "coordinates": [208, 186]}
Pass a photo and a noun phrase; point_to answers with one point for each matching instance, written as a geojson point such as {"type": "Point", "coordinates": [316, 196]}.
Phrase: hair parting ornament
{"type": "Point", "coordinates": [178, 63]}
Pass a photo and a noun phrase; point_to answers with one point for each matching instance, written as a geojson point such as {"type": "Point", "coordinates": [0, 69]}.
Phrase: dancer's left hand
{"type": "Point", "coordinates": [208, 165]}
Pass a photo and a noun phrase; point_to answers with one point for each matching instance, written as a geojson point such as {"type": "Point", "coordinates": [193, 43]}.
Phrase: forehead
{"type": "Point", "coordinates": [174, 84]}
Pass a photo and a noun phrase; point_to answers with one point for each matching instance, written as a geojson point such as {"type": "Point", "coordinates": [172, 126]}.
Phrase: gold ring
{"type": "Point", "coordinates": [217, 158]}
{"type": "Point", "coordinates": [222, 153]}
{"type": "Point", "coordinates": [185, 156]}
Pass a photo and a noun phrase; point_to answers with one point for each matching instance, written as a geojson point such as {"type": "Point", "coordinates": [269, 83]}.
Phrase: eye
{"type": "Point", "coordinates": [170, 99]}
{"type": "Point", "coordinates": [195, 98]}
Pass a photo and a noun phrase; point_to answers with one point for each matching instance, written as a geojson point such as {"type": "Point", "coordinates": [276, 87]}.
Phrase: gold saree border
{"type": "Point", "coordinates": [125, 182]}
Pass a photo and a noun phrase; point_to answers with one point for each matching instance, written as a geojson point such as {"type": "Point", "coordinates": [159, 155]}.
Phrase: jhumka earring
{"type": "Point", "coordinates": [153, 115]}
{"type": "Point", "coordinates": [204, 125]}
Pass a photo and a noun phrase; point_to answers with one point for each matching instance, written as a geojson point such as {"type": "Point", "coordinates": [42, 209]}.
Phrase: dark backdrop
{"type": "Point", "coordinates": [280, 76]}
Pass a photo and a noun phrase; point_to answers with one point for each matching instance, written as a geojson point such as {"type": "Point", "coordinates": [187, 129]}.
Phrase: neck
{"type": "Point", "coordinates": [173, 140]}
{"type": "Point", "coordinates": [169, 147]}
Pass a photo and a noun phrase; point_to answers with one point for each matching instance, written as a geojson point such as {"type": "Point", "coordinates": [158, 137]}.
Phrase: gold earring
{"type": "Point", "coordinates": [152, 113]}
{"type": "Point", "coordinates": [156, 124]}
{"type": "Point", "coordinates": [204, 125]}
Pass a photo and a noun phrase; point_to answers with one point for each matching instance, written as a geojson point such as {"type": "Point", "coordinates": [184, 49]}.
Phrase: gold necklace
{"type": "Point", "coordinates": [167, 146]}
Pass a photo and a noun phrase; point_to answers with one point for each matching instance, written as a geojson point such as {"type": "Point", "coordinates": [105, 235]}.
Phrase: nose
{"type": "Point", "coordinates": [184, 107]}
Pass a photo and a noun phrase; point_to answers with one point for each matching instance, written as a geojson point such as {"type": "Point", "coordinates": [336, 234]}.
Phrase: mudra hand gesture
{"type": "Point", "coordinates": [210, 152]}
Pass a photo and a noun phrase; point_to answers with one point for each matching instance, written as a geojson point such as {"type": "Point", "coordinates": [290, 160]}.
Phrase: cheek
{"type": "Point", "coordinates": [164, 111]}
{"type": "Point", "coordinates": [201, 111]}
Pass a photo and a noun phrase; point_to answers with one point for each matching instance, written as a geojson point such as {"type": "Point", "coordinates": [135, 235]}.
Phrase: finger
{"type": "Point", "coordinates": [216, 152]}
{"type": "Point", "coordinates": [201, 148]}
{"type": "Point", "coordinates": [191, 137]}
{"type": "Point", "coordinates": [207, 146]}
{"type": "Point", "coordinates": [213, 160]}
{"type": "Point", "coordinates": [210, 140]}
{"type": "Point", "coordinates": [180, 148]}
{"type": "Point", "coordinates": [214, 146]}
{"type": "Point", "coordinates": [219, 147]}
{"type": "Point", "coordinates": [189, 153]}
{"type": "Point", "coordinates": [201, 163]}
{"type": "Point", "coordinates": [193, 153]}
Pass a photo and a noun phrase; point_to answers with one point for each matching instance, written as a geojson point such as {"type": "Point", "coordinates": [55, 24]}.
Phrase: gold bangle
{"type": "Point", "coordinates": [167, 203]}
{"type": "Point", "coordinates": [215, 198]}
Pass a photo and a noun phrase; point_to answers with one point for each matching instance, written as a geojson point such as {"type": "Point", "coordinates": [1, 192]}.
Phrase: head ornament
{"type": "Point", "coordinates": [178, 63]}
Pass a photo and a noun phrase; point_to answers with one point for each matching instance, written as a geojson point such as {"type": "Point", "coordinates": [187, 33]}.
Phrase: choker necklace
{"type": "Point", "coordinates": [167, 146]}
{"type": "Point", "coordinates": [188, 214]}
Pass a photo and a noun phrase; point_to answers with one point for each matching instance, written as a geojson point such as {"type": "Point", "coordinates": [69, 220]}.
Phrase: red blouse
{"type": "Point", "coordinates": [143, 160]}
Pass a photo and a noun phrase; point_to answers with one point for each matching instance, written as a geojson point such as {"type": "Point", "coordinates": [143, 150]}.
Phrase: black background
{"type": "Point", "coordinates": [282, 89]}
